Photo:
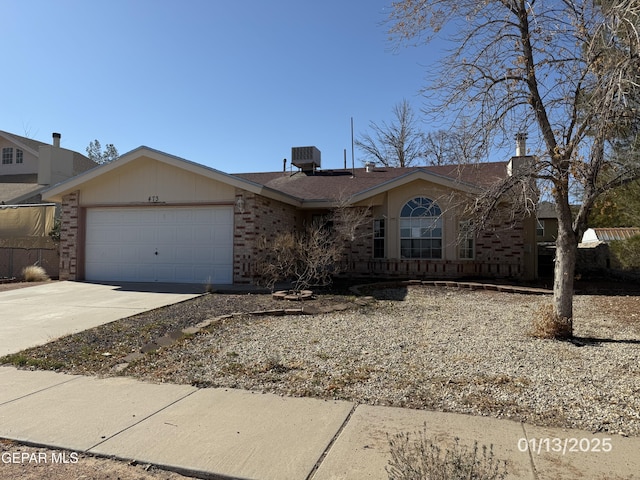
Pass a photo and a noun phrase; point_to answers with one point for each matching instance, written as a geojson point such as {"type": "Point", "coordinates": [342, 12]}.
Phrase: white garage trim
{"type": "Point", "coordinates": [160, 244]}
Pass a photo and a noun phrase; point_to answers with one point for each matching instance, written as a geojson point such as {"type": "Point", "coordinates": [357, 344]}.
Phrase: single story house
{"type": "Point", "coordinates": [154, 217]}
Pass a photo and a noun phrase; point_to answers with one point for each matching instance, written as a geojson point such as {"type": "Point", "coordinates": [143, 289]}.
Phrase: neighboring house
{"type": "Point", "coordinates": [154, 217]}
{"type": "Point", "coordinates": [594, 254]}
{"type": "Point", "coordinates": [546, 234]}
{"type": "Point", "coordinates": [547, 226]}
{"type": "Point", "coordinates": [27, 167]}
{"type": "Point", "coordinates": [606, 235]}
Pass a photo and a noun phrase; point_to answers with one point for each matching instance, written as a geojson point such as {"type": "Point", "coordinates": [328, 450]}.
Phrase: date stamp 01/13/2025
{"type": "Point", "coordinates": [565, 446]}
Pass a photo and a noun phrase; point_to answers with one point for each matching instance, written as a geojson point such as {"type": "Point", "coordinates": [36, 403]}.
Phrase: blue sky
{"type": "Point", "coordinates": [232, 85]}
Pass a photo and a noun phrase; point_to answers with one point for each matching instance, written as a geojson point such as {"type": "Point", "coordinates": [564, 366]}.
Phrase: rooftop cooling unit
{"type": "Point", "coordinates": [305, 158]}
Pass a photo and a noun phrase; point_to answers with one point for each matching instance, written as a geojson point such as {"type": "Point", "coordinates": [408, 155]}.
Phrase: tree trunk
{"type": "Point", "coordinates": [564, 271]}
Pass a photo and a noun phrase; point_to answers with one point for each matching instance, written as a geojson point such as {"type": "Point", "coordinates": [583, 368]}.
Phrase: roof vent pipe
{"type": "Point", "coordinates": [56, 139]}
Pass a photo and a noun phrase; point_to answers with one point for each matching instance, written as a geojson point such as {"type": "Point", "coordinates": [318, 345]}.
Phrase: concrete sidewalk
{"type": "Point", "coordinates": [224, 433]}
{"type": "Point", "coordinates": [36, 315]}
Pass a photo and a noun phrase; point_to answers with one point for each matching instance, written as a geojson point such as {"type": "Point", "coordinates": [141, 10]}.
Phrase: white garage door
{"type": "Point", "coordinates": [160, 244]}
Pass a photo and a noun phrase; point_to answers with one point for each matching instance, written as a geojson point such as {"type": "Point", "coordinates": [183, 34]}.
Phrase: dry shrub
{"type": "Point", "coordinates": [546, 323]}
{"type": "Point", "coordinates": [34, 273]}
{"type": "Point", "coordinates": [419, 458]}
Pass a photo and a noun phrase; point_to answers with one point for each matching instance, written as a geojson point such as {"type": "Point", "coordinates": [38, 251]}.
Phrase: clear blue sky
{"type": "Point", "coordinates": [229, 84]}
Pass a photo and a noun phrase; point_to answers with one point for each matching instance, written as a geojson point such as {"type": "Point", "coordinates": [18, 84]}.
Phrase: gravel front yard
{"type": "Point", "coordinates": [420, 347]}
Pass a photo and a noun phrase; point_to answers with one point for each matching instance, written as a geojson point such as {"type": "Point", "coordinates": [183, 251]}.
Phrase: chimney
{"type": "Point", "coordinates": [520, 163]}
{"type": "Point", "coordinates": [56, 139]}
{"type": "Point", "coordinates": [521, 144]}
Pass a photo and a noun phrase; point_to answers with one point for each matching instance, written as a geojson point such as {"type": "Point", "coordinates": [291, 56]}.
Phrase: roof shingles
{"type": "Point", "coordinates": [326, 185]}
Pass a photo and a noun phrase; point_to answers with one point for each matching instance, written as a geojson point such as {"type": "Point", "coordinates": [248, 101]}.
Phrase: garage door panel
{"type": "Point", "coordinates": [166, 234]}
{"type": "Point", "coordinates": [186, 235]}
{"type": "Point", "coordinates": [204, 255]}
{"type": "Point", "coordinates": [204, 234]}
{"type": "Point", "coordinates": [146, 234]}
{"type": "Point", "coordinates": [186, 255]}
{"type": "Point", "coordinates": [223, 217]}
{"type": "Point", "coordinates": [193, 245]}
{"type": "Point", "coordinates": [221, 236]}
{"type": "Point", "coordinates": [220, 254]}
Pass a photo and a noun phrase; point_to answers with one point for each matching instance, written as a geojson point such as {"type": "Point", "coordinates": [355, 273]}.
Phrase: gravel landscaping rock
{"type": "Point", "coordinates": [414, 346]}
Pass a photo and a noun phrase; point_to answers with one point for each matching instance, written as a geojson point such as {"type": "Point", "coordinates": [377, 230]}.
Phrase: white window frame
{"type": "Point", "coordinates": [421, 230]}
{"type": "Point", "coordinates": [7, 155]}
{"type": "Point", "coordinates": [379, 234]}
{"type": "Point", "coordinates": [467, 246]}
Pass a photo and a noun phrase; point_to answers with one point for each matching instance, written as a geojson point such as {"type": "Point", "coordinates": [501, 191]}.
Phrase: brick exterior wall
{"type": "Point", "coordinates": [70, 237]}
{"type": "Point", "coordinates": [261, 221]}
{"type": "Point", "coordinates": [499, 253]}
{"type": "Point", "coordinates": [361, 248]}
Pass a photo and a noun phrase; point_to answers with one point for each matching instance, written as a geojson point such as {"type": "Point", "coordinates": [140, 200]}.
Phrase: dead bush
{"type": "Point", "coordinates": [419, 458]}
{"type": "Point", "coordinates": [309, 257]}
{"type": "Point", "coordinates": [34, 273]}
{"type": "Point", "coordinates": [546, 323]}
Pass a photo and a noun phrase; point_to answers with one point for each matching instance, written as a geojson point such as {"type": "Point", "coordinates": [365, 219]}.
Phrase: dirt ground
{"type": "Point", "coordinates": [15, 285]}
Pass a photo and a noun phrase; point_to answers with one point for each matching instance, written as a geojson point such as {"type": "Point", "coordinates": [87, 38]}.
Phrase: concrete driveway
{"type": "Point", "coordinates": [36, 315]}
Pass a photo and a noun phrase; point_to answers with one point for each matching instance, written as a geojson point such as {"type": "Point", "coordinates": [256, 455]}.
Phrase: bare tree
{"type": "Point", "coordinates": [446, 147]}
{"type": "Point", "coordinates": [398, 144]}
{"type": "Point", "coordinates": [568, 70]}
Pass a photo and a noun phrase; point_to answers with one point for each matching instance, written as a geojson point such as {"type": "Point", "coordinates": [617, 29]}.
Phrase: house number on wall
{"type": "Point", "coordinates": [154, 199]}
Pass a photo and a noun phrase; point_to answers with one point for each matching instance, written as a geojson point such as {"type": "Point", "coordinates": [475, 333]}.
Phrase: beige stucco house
{"type": "Point", "coordinates": [155, 217]}
{"type": "Point", "coordinates": [27, 167]}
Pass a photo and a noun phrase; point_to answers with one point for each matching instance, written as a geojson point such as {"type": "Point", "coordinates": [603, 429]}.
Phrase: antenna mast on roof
{"type": "Point", "coordinates": [353, 162]}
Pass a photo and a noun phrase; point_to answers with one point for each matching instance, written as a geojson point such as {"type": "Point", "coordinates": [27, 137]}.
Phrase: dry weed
{"type": "Point", "coordinates": [546, 323]}
{"type": "Point", "coordinates": [34, 273]}
{"type": "Point", "coordinates": [418, 457]}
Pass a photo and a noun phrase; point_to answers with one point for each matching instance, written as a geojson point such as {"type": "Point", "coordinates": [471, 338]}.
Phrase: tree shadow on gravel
{"type": "Point", "coordinates": [597, 342]}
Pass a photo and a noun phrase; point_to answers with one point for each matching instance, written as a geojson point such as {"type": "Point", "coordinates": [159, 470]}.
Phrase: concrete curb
{"type": "Point", "coordinates": [227, 433]}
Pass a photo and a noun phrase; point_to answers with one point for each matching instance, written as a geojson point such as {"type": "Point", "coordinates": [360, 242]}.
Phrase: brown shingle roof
{"type": "Point", "coordinates": [333, 184]}
{"type": "Point", "coordinates": [28, 142]}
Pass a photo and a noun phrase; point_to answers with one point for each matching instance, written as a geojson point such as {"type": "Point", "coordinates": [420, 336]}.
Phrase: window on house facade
{"type": "Point", "coordinates": [421, 229]}
{"type": "Point", "coordinates": [7, 155]}
{"type": "Point", "coordinates": [467, 241]}
{"type": "Point", "coordinates": [378, 238]}
{"type": "Point", "coordinates": [540, 228]}
{"type": "Point", "coordinates": [19, 155]}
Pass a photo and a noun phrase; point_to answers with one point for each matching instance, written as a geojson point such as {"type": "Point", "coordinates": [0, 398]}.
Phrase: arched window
{"type": "Point", "coordinates": [421, 229]}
